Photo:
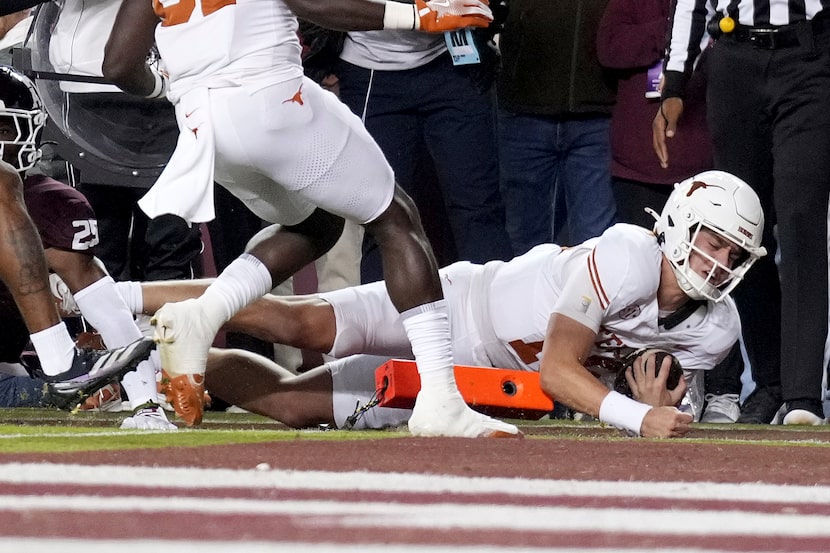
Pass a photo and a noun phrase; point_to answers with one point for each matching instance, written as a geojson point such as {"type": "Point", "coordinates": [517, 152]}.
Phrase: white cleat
{"type": "Point", "coordinates": [149, 416]}
{"type": "Point", "coordinates": [448, 415]}
{"type": "Point", "coordinates": [183, 335]}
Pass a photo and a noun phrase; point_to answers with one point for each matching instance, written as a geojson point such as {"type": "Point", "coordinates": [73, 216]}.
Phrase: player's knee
{"type": "Point", "coordinates": [399, 220]}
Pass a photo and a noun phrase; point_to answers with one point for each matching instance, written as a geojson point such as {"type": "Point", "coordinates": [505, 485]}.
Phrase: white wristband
{"type": "Point", "coordinates": [623, 412]}
{"type": "Point", "coordinates": [400, 16]}
{"type": "Point", "coordinates": [159, 88]}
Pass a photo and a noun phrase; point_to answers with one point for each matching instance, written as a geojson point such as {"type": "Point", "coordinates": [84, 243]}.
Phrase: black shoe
{"type": "Point", "coordinates": [761, 405]}
{"type": "Point", "coordinates": [91, 370]}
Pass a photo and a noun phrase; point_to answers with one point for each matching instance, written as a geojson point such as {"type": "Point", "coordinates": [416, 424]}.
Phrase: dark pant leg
{"type": "Point", "coordinates": [391, 117]}
{"type": "Point", "coordinates": [725, 377]}
{"type": "Point", "coordinates": [799, 82]}
{"type": "Point", "coordinates": [585, 178]}
{"type": "Point", "coordinates": [741, 133]}
{"type": "Point", "coordinates": [114, 207]}
{"type": "Point", "coordinates": [633, 197]}
{"type": "Point", "coordinates": [528, 166]}
{"type": "Point", "coordinates": [460, 132]}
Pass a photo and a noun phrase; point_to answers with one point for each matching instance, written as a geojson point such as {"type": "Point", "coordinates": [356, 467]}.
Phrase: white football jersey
{"type": "Point", "coordinates": [218, 43]}
{"type": "Point", "coordinates": [607, 283]}
{"type": "Point", "coordinates": [499, 311]}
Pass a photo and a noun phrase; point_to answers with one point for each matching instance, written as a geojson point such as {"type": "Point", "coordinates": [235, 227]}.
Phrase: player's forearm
{"type": "Point", "coordinates": [368, 15]}
{"type": "Point", "coordinates": [130, 41]}
{"type": "Point", "coordinates": [343, 15]}
{"type": "Point", "coordinates": [157, 293]}
{"type": "Point", "coordinates": [570, 383]}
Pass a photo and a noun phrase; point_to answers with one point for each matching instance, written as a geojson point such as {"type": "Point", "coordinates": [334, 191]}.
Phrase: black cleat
{"type": "Point", "coordinates": [91, 370]}
{"type": "Point", "coordinates": [761, 405]}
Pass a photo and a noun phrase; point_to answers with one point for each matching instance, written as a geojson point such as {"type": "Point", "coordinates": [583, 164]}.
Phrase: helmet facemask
{"type": "Point", "coordinates": [720, 279]}
{"type": "Point", "coordinates": [21, 112]}
{"type": "Point", "coordinates": [27, 125]}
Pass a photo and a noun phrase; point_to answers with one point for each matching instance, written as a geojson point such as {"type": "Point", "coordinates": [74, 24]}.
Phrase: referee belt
{"type": "Point", "coordinates": [781, 36]}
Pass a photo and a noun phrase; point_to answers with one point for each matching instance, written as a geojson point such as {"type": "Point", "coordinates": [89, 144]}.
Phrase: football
{"type": "Point", "coordinates": [675, 372]}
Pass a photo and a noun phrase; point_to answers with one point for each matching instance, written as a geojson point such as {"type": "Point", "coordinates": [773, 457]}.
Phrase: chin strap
{"type": "Point", "coordinates": [673, 319]}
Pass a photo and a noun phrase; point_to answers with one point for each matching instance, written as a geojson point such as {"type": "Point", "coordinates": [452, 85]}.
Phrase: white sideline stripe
{"type": "Point", "coordinates": [183, 477]}
{"type": "Point", "coordinates": [143, 546]}
{"type": "Point", "coordinates": [455, 516]}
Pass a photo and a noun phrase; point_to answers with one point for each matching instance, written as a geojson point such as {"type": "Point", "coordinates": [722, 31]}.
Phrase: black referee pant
{"type": "Point", "coordinates": [769, 115]}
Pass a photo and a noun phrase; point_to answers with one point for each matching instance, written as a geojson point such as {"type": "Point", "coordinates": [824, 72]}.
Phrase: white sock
{"type": "Point", "coordinates": [140, 384]}
{"type": "Point", "coordinates": [104, 308]}
{"type": "Point", "coordinates": [242, 282]}
{"type": "Point", "coordinates": [55, 349]}
{"type": "Point", "coordinates": [131, 293]}
{"type": "Point", "coordinates": [428, 329]}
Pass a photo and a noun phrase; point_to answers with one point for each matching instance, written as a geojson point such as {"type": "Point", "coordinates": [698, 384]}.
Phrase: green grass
{"type": "Point", "coordinates": [51, 431]}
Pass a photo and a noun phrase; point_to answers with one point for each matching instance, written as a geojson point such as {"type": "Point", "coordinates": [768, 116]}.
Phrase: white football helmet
{"type": "Point", "coordinates": [20, 102]}
{"type": "Point", "coordinates": [727, 206]}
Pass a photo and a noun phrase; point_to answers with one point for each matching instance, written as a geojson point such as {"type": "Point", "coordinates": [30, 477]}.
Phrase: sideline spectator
{"type": "Point", "coordinates": [435, 123]}
{"type": "Point", "coordinates": [769, 116]}
{"type": "Point", "coordinates": [554, 118]}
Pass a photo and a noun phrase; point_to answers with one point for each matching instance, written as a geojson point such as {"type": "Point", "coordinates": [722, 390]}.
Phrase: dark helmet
{"type": "Point", "coordinates": [20, 102]}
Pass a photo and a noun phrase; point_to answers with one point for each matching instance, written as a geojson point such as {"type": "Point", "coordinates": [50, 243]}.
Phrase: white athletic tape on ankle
{"type": "Point", "coordinates": [400, 16]}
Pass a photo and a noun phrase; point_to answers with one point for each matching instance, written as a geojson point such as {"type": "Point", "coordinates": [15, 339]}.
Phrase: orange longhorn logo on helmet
{"type": "Point", "coordinates": [695, 185]}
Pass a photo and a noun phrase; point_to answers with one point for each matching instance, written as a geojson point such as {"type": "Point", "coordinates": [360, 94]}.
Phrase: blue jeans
{"type": "Point", "coordinates": [434, 124]}
{"type": "Point", "coordinates": [553, 172]}
{"type": "Point", "coordinates": [20, 391]}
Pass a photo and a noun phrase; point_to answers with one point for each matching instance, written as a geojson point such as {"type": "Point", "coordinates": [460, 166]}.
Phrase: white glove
{"type": "Point", "coordinates": [63, 297]}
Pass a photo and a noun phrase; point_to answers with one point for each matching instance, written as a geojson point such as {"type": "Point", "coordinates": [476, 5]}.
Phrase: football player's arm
{"type": "Point", "coordinates": [562, 371]}
{"type": "Point", "coordinates": [369, 15]}
{"type": "Point", "coordinates": [130, 41]}
{"type": "Point", "coordinates": [564, 377]}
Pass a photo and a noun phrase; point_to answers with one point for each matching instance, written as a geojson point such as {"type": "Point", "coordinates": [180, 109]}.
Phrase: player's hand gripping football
{"type": "Point", "coordinates": [437, 16]}
{"type": "Point", "coordinates": [652, 376]}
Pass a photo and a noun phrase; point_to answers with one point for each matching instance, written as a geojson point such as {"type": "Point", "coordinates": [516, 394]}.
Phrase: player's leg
{"type": "Point", "coordinates": [185, 330]}
{"type": "Point", "coordinates": [101, 305]}
{"type": "Point", "coordinates": [259, 385]}
{"type": "Point", "coordinates": [359, 184]}
{"type": "Point", "coordinates": [338, 394]}
{"type": "Point", "coordinates": [350, 177]}
{"type": "Point", "coordinates": [359, 319]}
{"type": "Point", "coordinates": [415, 289]}
{"type": "Point", "coordinates": [71, 373]}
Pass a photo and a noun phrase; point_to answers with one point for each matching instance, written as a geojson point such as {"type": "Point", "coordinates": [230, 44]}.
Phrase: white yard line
{"type": "Point", "coordinates": [143, 546]}
{"type": "Point", "coordinates": [450, 515]}
{"type": "Point", "coordinates": [182, 477]}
